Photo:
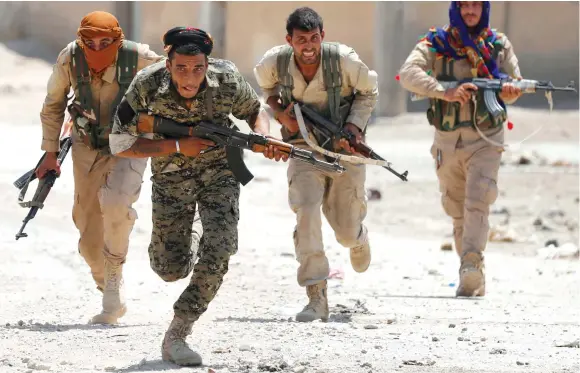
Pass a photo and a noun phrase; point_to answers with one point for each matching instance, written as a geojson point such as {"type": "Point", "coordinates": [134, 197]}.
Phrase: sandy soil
{"type": "Point", "coordinates": [399, 316]}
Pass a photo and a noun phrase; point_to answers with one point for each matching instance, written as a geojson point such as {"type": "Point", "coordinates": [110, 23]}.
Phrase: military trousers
{"type": "Point", "coordinates": [468, 184]}
{"type": "Point", "coordinates": [342, 199]}
{"type": "Point", "coordinates": [105, 189]}
{"type": "Point", "coordinates": [176, 239]}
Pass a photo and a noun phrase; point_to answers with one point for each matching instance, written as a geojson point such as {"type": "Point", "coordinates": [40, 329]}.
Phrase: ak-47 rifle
{"type": "Point", "coordinates": [310, 119]}
{"type": "Point", "coordinates": [233, 140]}
{"type": "Point", "coordinates": [491, 87]}
{"type": "Point", "coordinates": [45, 184]}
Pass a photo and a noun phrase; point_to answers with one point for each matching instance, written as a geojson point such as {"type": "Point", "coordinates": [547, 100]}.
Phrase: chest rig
{"type": "Point", "coordinates": [96, 134]}
{"type": "Point", "coordinates": [338, 108]}
{"type": "Point", "coordinates": [444, 116]}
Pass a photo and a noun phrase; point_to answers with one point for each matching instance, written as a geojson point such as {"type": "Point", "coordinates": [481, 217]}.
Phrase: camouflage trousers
{"type": "Point", "coordinates": [175, 238]}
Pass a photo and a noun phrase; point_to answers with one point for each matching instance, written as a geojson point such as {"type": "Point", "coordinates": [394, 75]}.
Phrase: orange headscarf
{"type": "Point", "coordinates": [100, 24]}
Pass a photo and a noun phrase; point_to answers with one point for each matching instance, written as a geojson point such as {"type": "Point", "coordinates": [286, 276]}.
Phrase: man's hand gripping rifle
{"type": "Point", "coordinates": [234, 141]}
{"type": "Point", "coordinates": [309, 119]}
{"type": "Point", "coordinates": [45, 183]}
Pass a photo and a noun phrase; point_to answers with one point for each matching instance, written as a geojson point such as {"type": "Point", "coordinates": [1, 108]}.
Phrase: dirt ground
{"type": "Point", "coordinates": [399, 316]}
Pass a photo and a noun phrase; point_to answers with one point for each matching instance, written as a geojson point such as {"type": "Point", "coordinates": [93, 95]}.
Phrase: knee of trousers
{"type": "Point", "coordinates": [453, 208]}
{"type": "Point", "coordinates": [171, 273]}
{"type": "Point", "coordinates": [169, 268]}
{"type": "Point", "coordinates": [352, 235]}
{"type": "Point", "coordinates": [481, 193]}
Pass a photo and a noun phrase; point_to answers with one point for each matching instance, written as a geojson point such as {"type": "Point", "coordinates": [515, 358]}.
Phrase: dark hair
{"type": "Point", "coordinates": [187, 49]}
{"type": "Point", "coordinates": [303, 19]}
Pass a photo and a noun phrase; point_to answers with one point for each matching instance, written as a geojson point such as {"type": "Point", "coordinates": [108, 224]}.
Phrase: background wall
{"type": "Point", "coordinates": [544, 34]}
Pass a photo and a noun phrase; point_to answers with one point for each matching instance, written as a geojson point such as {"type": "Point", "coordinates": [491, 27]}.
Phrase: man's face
{"type": "Point", "coordinates": [98, 43]}
{"type": "Point", "coordinates": [187, 73]}
{"type": "Point", "coordinates": [471, 12]}
{"type": "Point", "coordinates": [307, 45]}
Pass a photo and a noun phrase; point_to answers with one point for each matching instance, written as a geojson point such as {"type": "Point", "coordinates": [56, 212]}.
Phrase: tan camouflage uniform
{"type": "Point", "coordinates": [105, 186]}
{"type": "Point", "coordinates": [206, 180]}
{"type": "Point", "coordinates": [466, 164]}
{"type": "Point", "coordinates": [342, 197]}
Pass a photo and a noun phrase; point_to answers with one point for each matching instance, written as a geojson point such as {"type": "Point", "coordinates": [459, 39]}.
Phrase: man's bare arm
{"type": "Point", "coordinates": [144, 148]}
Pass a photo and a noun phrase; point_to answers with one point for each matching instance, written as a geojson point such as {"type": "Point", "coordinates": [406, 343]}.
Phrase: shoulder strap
{"type": "Point", "coordinates": [284, 78]}
{"type": "Point", "coordinates": [332, 78]}
{"type": "Point", "coordinates": [208, 100]}
{"type": "Point", "coordinates": [80, 69]}
{"type": "Point", "coordinates": [126, 68]}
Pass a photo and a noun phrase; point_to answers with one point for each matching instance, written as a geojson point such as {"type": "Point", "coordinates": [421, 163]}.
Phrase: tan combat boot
{"type": "Point", "coordinates": [360, 257]}
{"type": "Point", "coordinates": [113, 296]}
{"type": "Point", "coordinates": [471, 275]}
{"type": "Point", "coordinates": [174, 347]}
{"type": "Point", "coordinates": [317, 308]}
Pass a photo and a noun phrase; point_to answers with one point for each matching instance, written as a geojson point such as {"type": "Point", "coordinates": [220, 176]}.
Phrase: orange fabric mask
{"type": "Point", "coordinates": [100, 24]}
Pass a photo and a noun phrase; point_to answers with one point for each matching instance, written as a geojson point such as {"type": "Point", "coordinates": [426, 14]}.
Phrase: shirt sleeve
{"type": "Point", "coordinates": [266, 74]}
{"type": "Point", "coordinates": [246, 102]}
{"type": "Point", "coordinates": [54, 106]}
{"type": "Point", "coordinates": [364, 82]}
{"type": "Point", "coordinates": [124, 132]}
{"type": "Point", "coordinates": [146, 56]}
{"type": "Point", "coordinates": [413, 74]}
{"type": "Point", "coordinates": [508, 63]}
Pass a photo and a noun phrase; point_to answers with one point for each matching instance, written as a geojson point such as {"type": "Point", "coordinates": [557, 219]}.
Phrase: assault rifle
{"type": "Point", "coordinates": [491, 87]}
{"type": "Point", "coordinates": [233, 140]}
{"type": "Point", "coordinates": [329, 132]}
{"type": "Point", "coordinates": [45, 184]}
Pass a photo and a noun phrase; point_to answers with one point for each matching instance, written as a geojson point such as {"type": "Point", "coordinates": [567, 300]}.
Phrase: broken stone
{"type": "Point", "coordinates": [446, 246]}
{"type": "Point", "coordinates": [574, 344]}
{"type": "Point", "coordinates": [498, 351]}
{"type": "Point", "coordinates": [452, 325]}
{"type": "Point", "coordinates": [419, 363]}
{"type": "Point", "coordinates": [373, 194]}
{"type": "Point", "coordinates": [435, 339]}
{"type": "Point", "coordinates": [501, 234]}
{"type": "Point", "coordinates": [370, 326]}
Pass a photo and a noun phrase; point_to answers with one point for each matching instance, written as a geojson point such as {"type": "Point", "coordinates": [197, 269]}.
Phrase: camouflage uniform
{"type": "Point", "coordinates": [179, 182]}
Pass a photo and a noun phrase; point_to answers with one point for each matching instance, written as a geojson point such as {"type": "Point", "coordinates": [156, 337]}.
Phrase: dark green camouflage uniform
{"type": "Point", "coordinates": [205, 180]}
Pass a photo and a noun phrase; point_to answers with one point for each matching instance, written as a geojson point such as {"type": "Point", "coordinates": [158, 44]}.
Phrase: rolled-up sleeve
{"type": "Point", "coordinates": [508, 63]}
{"type": "Point", "coordinates": [54, 106]}
{"type": "Point", "coordinates": [124, 133]}
{"type": "Point", "coordinates": [266, 74]}
{"type": "Point", "coordinates": [413, 74]}
{"type": "Point", "coordinates": [364, 82]}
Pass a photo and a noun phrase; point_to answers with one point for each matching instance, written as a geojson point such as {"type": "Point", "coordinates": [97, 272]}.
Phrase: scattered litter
{"type": "Point", "coordinates": [575, 344]}
{"type": "Point", "coordinates": [566, 251]}
{"type": "Point", "coordinates": [446, 246]}
{"type": "Point", "coordinates": [336, 274]}
{"type": "Point", "coordinates": [373, 194]}
{"type": "Point", "coordinates": [419, 363]}
{"type": "Point", "coordinates": [502, 234]}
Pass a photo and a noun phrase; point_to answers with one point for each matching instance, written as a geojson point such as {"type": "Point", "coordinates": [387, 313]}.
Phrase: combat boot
{"type": "Point", "coordinates": [317, 308]}
{"type": "Point", "coordinates": [114, 306]}
{"type": "Point", "coordinates": [471, 275]}
{"type": "Point", "coordinates": [360, 257]}
{"type": "Point", "coordinates": [174, 348]}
